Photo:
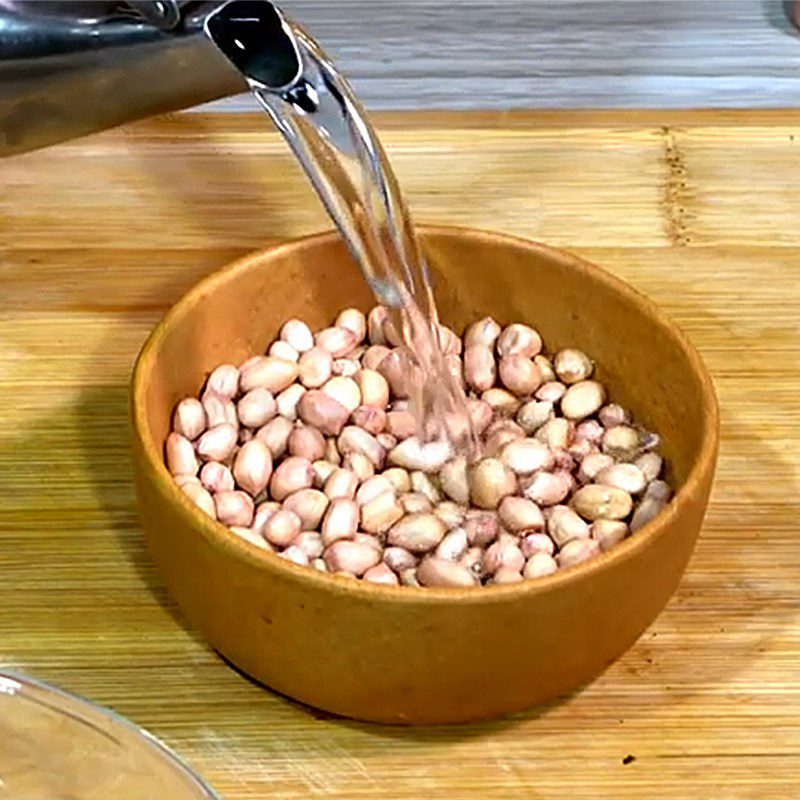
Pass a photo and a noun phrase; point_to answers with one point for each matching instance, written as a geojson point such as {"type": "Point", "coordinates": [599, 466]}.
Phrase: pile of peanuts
{"type": "Point", "coordinates": [312, 452]}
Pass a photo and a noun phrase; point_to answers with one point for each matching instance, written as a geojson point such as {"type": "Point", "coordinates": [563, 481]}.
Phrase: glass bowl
{"type": "Point", "coordinates": [54, 745]}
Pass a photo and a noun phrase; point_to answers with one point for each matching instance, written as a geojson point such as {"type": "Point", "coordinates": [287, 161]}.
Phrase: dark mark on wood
{"type": "Point", "coordinates": [629, 759]}
{"type": "Point", "coordinates": [675, 190]}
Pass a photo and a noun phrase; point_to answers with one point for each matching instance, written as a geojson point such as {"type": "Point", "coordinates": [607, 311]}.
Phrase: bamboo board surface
{"type": "Point", "coordinates": [699, 210]}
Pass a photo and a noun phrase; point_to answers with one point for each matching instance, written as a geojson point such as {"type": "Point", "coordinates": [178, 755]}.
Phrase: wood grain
{"type": "Point", "coordinates": [98, 237]}
{"type": "Point", "coordinates": [472, 54]}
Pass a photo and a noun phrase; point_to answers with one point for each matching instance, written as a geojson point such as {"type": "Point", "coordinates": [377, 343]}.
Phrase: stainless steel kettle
{"type": "Point", "coordinates": [74, 67]}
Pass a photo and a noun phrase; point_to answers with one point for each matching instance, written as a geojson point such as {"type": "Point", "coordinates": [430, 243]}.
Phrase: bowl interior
{"type": "Point", "coordinates": [644, 360]}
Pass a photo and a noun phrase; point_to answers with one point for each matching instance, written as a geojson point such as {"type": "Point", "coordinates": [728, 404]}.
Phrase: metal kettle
{"type": "Point", "coordinates": [74, 67]}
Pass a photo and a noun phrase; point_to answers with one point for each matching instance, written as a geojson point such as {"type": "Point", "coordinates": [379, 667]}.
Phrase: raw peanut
{"type": "Point", "coordinates": [322, 471]}
{"type": "Point", "coordinates": [658, 490]}
{"type": "Point", "coordinates": [201, 498]}
{"type": "Point", "coordinates": [452, 514]}
{"type": "Point", "coordinates": [594, 501]}
{"type": "Point", "coordinates": [572, 365]}
{"type": "Point", "coordinates": [480, 414]}
{"type": "Point", "coordinates": [372, 487]}
{"type": "Point", "coordinates": [453, 546]}
{"type": "Point", "coordinates": [353, 557]}
{"type": "Point", "coordinates": [373, 356]}
{"type": "Point", "coordinates": [590, 430]}
{"type": "Point", "coordinates": [651, 465]}
{"type": "Point", "coordinates": [288, 400]}
{"type": "Point", "coordinates": [264, 511]}
{"type": "Point", "coordinates": [519, 514]}
{"type": "Point", "coordinates": [341, 520]}
{"type": "Point", "coordinates": [189, 418]}
{"type": "Point", "coordinates": [612, 415]}
{"type": "Point", "coordinates": [216, 477]}
{"type": "Point", "coordinates": [537, 543]}
{"type": "Point", "coordinates": [344, 391]}
{"type": "Point", "coordinates": [354, 321]}
{"type": "Point", "coordinates": [524, 456]}
{"type": "Point", "coordinates": [181, 458]}
{"type": "Point", "coordinates": [393, 337]}
{"type": "Point", "coordinates": [506, 575]}
{"type": "Point", "coordinates": [501, 401]}
{"type": "Point", "coordinates": [519, 374]}
{"type": "Point", "coordinates": [408, 577]}
{"type": "Point", "coordinates": [399, 478]}
{"type": "Point", "coordinates": [415, 503]}
{"type": "Point", "coordinates": [183, 480]}
{"type": "Point", "coordinates": [319, 565]}
{"type": "Point", "coordinates": [282, 528]}
{"type": "Point", "coordinates": [546, 488]}
{"type": "Point", "coordinates": [412, 454]}
{"type": "Point", "coordinates": [234, 508]}
{"type": "Point", "coordinates": [315, 367]}
{"type": "Point", "coordinates": [454, 481]}
{"type": "Point", "coordinates": [296, 555]}
{"type": "Point", "coordinates": [480, 370]}
{"type": "Point", "coordinates": [489, 482]}
{"type": "Point", "coordinates": [256, 408]}
{"type": "Point", "coordinates": [369, 539]}
{"type": "Point", "coordinates": [337, 341]}
{"type": "Point", "coordinates": [580, 448]}
{"type": "Point", "coordinates": [449, 341]}
{"type": "Point", "coordinates": [421, 483]}
{"type": "Point", "coordinates": [250, 536]}
{"type": "Point", "coordinates": [360, 465]}
{"type": "Point", "coordinates": [519, 340]}
{"type": "Point", "coordinates": [346, 367]}
{"type": "Point", "coordinates": [621, 442]}
{"type": "Point", "coordinates": [223, 381]}
{"type": "Point", "coordinates": [545, 368]}
{"type": "Point", "coordinates": [403, 404]}
{"type": "Point", "coordinates": [217, 443]}
{"type": "Point", "coordinates": [555, 433]}
{"type": "Point", "coordinates": [296, 333]}
{"type": "Point", "coordinates": [310, 505]}
{"type": "Point", "coordinates": [396, 368]}
{"type": "Point", "coordinates": [417, 533]}
{"type": "Point", "coordinates": [482, 528]}
{"type": "Point", "coordinates": [380, 513]}
{"type": "Point", "coordinates": [473, 561]}
{"type": "Point", "coordinates": [398, 559]}
{"type": "Point", "coordinates": [273, 374]}
{"type": "Point", "coordinates": [373, 387]}
{"type": "Point", "coordinates": [310, 542]}
{"type": "Point", "coordinates": [564, 525]}
{"type": "Point", "coordinates": [307, 442]}
{"type": "Point", "coordinates": [275, 435]}
{"type": "Point", "coordinates": [551, 392]}
{"type": "Point", "coordinates": [582, 399]}
{"type": "Point", "coordinates": [375, 322]}
{"type": "Point", "coordinates": [577, 551]}
{"type": "Point", "coordinates": [381, 574]}
{"type": "Point", "coordinates": [507, 425]}
{"type": "Point", "coordinates": [593, 465]}
{"type": "Point", "coordinates": [440, 573]}
{"type": "Point", "coordinates": [401, 424]}
{"type": "Point", "coordinates": [341, 483]}
{"type": "Point", "coordinates": [608, 532]}
{"type": "Point", "coordinates": [357, 440]}
{"type": "Point", "coordinates": [219, 410]}
{"type": "Point", "coordinates": [252, 467]}
{"type": "Point", "coordinates": [332, 453]}
{"type": "Point", "coordinates": [502, 554]}
{"type": "Point", "coordinates": [321, 411]}
{"type": "Point", "coordinates": [623, 476]}
{"type": "Point", "coordinates": [290, 476]}
{"type": "Point", "coordinates": [386, 441]}
{"type": "Point", "coordinates": [538, 565]}
{"type": "Point", "coordinates": [284, 350]}
{"type": "Point", "coordinates": [484, 332]}
{"type": "Point", "coordinates": [370, 418]}
{"type": "Point", "coordinates": [534, 414]}
{"type": "Point", "coordinates": [646, 511]}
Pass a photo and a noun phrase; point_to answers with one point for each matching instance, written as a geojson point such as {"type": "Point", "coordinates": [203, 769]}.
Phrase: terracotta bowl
{"type": "Point", "coordinates": [409, 655]}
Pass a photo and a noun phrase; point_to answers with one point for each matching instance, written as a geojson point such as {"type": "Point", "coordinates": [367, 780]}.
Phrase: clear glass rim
{"type": "Point", "coordinates": [20, 680]}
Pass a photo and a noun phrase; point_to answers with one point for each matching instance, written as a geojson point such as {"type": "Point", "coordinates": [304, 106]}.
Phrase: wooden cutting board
{"type": "Point", "coordinates": [699, 210]}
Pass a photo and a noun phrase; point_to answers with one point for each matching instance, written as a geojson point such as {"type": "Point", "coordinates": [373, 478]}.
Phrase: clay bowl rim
{"type": "Point", "coordinates": [218, 535]}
